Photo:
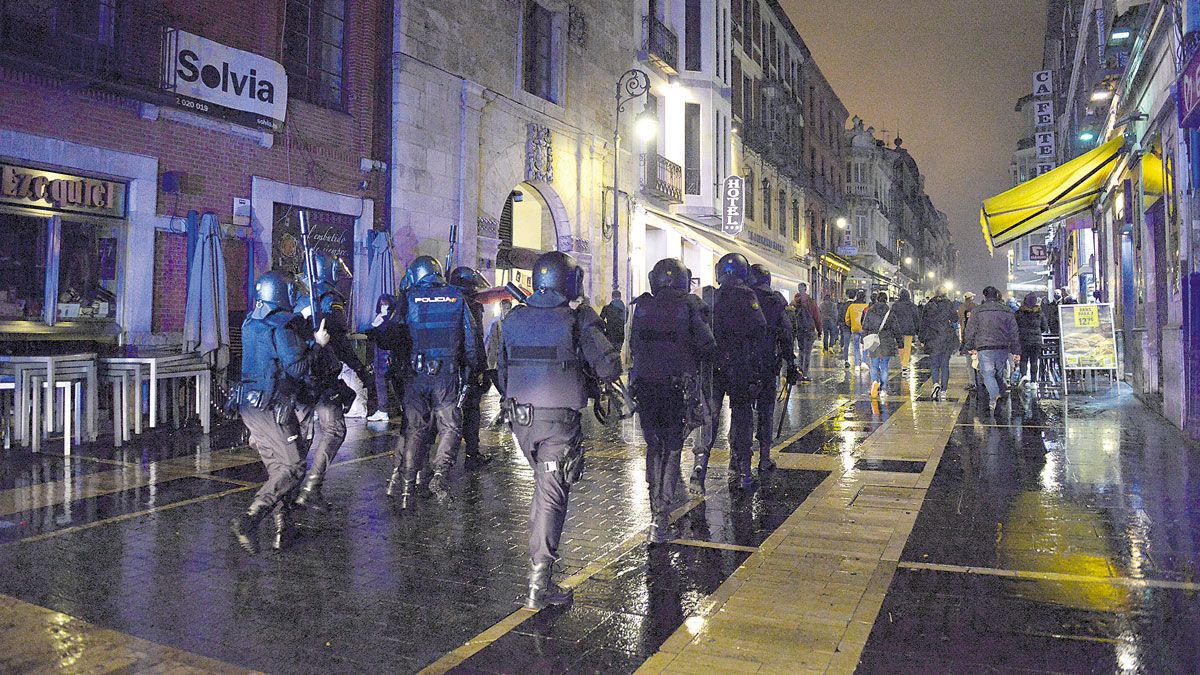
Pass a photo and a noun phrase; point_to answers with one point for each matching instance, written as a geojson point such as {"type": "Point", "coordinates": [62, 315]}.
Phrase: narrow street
{"type": "Point", "coordinates": [919, 536]}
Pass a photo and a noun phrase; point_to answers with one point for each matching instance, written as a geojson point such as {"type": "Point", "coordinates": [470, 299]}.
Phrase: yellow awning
{"type": "Point", "coordinates": [1056, 194]}
{"type": "Point", "coordinates": [1153, 178]}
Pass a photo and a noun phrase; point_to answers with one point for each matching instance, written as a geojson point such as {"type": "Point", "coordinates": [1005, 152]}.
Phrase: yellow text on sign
{"type": "Point", "coordinates": [1087, 316]}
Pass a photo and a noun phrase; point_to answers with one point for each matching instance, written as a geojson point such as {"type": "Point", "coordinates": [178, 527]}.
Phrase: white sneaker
{"type": "Point", "coordinates": [378, 416]}
{"type": "Point", "coordinates": [883, 394]}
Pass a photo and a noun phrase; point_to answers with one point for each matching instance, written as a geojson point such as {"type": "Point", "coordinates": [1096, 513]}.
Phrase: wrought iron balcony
{"type": "Point", "coordinates": [662, 45]}
{"type": "Point", "coordinates": [662, 178]}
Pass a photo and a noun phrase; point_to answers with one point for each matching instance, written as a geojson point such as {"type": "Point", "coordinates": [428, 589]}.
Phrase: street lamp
{"type": "Point", "coordinates": [646, 126]}
{"type": "Point", "coordinates": [930, 274]}
{"type": "Point", "coordinates": [842, 222]}
{"type": "Point", "coordinates": [632, 84]}
{"type": "Point", "coordinates": [949, 285]}
{"type": "Point", "coordinates": [908, 260]}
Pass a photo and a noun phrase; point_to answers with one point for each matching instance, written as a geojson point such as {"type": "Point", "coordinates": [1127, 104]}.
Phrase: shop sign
{"type": "Point", "coordinates": [1037, 251]}
{"type": "Point", "coordinates": [1045, 144]}
{"type": "Point", "coordinates": [1044, 167]}
{"type": "Point", "coordinates": [1043, 113]}
{"type": "Point", "coordinates": [211, 79]}
{"type": "Point", "coordinates": [847, 251]}
{"type": "Point", "coordinates": [1188, 93]}
{"type": "Point", "coordinates": [328, 232]}
{"type": "Point", "coordinates": [1088, 338]}
{"type": "Point", "coordinates": [60, 192]}
{"type": "Point", "coordinates": [733, 214]}
{"type": "Point", "coordinates": [1043, 83]}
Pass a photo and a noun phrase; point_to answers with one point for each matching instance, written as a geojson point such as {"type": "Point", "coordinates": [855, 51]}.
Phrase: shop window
{"type": "Point", "coordinates": [22, 266]}
{"type": "Point", "coordinates": [87, 271]}
{"type": "Point", "coordinates": [314, 51]}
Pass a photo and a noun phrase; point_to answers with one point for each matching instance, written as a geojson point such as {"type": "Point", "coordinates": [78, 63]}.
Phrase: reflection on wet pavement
{"type": "Point", "coordinates": [1066, 541]}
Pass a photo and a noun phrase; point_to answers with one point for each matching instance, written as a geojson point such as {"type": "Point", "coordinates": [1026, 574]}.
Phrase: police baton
{"type": "Point", "coordinates": [309, 268]}
{"type": "Point", "coordinates": [786, 397]}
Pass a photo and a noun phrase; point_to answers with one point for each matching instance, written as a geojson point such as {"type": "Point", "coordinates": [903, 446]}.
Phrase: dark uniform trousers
{"type": "Point", "coordinates": [329, 431]}
{"type": "Point", "coordinates": [553, 434]}
{"type": "Point", "coordinates": [431, 405]}
{"type": "Point", "coordinates": [661, 413]}
{"type": "Point", "coordinates": [741, 421]}
{"type": "Point", "coordinates": [470, 419]}
{"type": "Point", "coordinates": [276, 445]}
{"type": "Point", "coordinates": [764, 406]}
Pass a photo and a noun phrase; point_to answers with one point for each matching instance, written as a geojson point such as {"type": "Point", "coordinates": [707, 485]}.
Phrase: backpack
{"type": "Point", "coordinates": [803, 322]}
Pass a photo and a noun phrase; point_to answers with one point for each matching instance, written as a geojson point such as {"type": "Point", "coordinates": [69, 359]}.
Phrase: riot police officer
{"type": "Point", "coordinates": [669, 338]}
{"type": "Point", "coordinates": [275, 364]}
{"type": "Point", "coordinates": [775, 350]}
{"type": "Point", "coordinates": [327, 395]}
{"type": "Point", "coordinates": [470, 282]}
{"type": "Point", "coordinates": [738, 325]}
{"type": "Point", "coordinates": [447, 351]}
{"type": "Point", "coordinates": [546, 351]}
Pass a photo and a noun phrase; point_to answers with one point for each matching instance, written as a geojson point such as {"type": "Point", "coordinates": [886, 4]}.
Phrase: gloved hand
{"type": "Point", "coordinates": [793, 375]}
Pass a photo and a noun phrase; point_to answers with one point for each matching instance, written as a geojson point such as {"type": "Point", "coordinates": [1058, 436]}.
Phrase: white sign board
{"type": "Point", "coordinates": [1045, 144]}
{"type": "Point", "coordinates": [733, 198]}
{"type": "Point", "coordinates": [1045, 167]}
{"type": "Point", "coordinates": [211, 79]}
{"type": "Point", "coordinates": [1043, 83]}
{"type": "Point", "coordinates": [1043, 113]}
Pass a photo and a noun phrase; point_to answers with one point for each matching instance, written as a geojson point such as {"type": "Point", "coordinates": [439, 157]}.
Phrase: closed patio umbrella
{"type": "Point", "coordinates": [381, 277]}
{"type": "Point", "coordinates": [206, 315]}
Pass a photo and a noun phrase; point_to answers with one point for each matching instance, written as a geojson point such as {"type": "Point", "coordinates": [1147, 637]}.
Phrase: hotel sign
{"type": "Point", "coordinates": [1187, 93]}
{"type": "Point", "coordinates": [733, 198]}
{"type": "Point", "coordinates": [60, 192]}
{"type": "Point", "coordinates": [211, 79]}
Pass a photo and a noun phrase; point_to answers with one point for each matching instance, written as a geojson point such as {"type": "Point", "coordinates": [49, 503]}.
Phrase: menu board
{"type": "Point", "coordinates": [1088, 338]}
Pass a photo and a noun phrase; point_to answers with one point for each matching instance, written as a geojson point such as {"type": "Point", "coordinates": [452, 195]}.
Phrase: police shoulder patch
{"type": "Point", "coordinates": [754, 305]}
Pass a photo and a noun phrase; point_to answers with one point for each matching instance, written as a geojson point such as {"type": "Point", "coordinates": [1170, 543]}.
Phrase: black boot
{"type": "Point", "coordinates": [439, 486]}
{"type": "Point", "coordinates": [660, 530]}
{"type": "Point", "coordinates": [245, 527]}
{"type": "Point", "coordinates": [542, 589]}
{"type": "Point", "coordinates": [393, 481]}
{"type": "Point", "coordinates": [475, 460]}
{"type": "Point", "coordinates": [765, 463]}
{"type": "Point", "coordinates": [280, 519]}
{"type": "Point", "coordinates": [310, 493]}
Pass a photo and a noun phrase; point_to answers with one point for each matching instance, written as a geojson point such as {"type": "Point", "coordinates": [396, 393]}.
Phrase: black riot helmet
{"type": "Point", "coordinates": [670, 273]}
{"type": "Point", "coordinates": [276, 290]}
{"type": "Point", "coordinates": [760, 275]}
{"type": "Point", "coordinates": [467, 279]}
{"type": "Point", "coordinates": [733, 265]}
{"type": "Point", "coordinates": [329, 269]}
{"type": "Point", "coordinates": [424, 269]}
{"type": "Point", "coordinates": [557, 273]}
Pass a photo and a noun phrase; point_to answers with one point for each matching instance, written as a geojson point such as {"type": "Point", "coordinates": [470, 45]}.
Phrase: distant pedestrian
{"type": "Point", "coordinates": [992, 334]}
{"type": "Point", "coordinates": [390, 338]}
{"type": "Point", "coordinates": [877, 321]}
{"type": "Point", "coordinates": [939, 335]}
{"type": "Point", "coordinates": [806, 327]}
{"type": "Point", "coordinates": [906, 319]}
{"type": "Point", "coordinates": [1031, 324]}
{"type": "Point", "coordinates": [853, 318]}
{"type": "Point", "coordinates": [614, 316]}
{"type": "Point", "coordinates": [844, 327]}
{"type": "Point", "coordinates": [829, 323]}
{"type": "Point", "coordinates": [964, 313]}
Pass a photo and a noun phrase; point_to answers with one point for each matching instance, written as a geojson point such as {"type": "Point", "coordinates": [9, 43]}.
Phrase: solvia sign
{"type": "Point", "coordinates": [214, 80]}
{"type": "Point", "coordinates": [733, 213]}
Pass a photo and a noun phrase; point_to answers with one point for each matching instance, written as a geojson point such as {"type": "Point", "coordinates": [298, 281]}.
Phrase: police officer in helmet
{"type": "Point", "coordinates": [775, 349]}
{"type": "Point", "coordinates": [738, 325]}
{"type": "Point", "coordinates": [447, 352]}
{"type": "Point", "coordinates": [471, 282]}
{"type": "Point", "coordinates": [327, 396]}
{"type": "Point", "coordinates": [547, 348]}
{"type": "Point", "coordinates": [668, 340]}
{"type": "Point", "coordinates": [275, 365]}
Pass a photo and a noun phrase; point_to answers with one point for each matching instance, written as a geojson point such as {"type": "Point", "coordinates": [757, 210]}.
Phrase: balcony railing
{"type": "Point", "coordinates": [662, 178]}
{"type": "Point", "coordinates": [114, 46]}
{"type": "Point", "coordinates": [662, 46]}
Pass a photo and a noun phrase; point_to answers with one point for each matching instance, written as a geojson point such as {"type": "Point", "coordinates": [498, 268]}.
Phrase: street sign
{"type": "Point", "coordinates": [847, 251]}
{"type": "Point", "coordinates": [733, 213]}
{"type": "Point", "coordinates": [1043, 113]}
{"type": "Point", "coordinates": [1188, 93]}
{"type": "Point", "coordinates": [1037, 251]}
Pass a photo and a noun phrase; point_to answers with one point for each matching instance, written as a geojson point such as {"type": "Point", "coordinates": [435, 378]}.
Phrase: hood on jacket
{"type": "Point", "coordinates": [1030, 301]}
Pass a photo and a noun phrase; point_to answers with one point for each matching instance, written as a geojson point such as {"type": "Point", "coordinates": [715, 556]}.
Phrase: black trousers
{"type": "Point", "coordinates": [741, 422]}
{"type": "Point", "coordinates": [277, 447]}
{"type": "Point", "coordinates": [431, 411]}
{"type": "Point", "coordinates": [1031, 361]}
{"type": "Point", "coordinates": [329, 431]}
{"type": "Point", "coordinates": [661, 414]}
{"type": "Point", "coordinates": [470, 419]}
{"type": "Point", "coordinates": [550, 439]}
{"type": "Point", "coordinates": [764, 423]}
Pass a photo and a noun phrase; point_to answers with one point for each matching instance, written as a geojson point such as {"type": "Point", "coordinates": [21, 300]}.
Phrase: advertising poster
{"type": "Point", "coordinates": [1088, 340]}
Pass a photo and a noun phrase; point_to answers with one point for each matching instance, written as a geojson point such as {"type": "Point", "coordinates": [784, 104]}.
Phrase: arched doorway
{"type": "Point", "coordinates": [532, 221]}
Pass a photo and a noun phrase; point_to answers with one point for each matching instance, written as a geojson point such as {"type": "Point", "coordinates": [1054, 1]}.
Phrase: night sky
{"type": "Point", "coordinates": [947, 74]}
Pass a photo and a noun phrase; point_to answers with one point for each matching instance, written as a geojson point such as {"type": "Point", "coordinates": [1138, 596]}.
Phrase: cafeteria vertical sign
{"type": "Point", "coordinates": [214, 80]}
{"type": "Point", "coordinates": [733, 213]}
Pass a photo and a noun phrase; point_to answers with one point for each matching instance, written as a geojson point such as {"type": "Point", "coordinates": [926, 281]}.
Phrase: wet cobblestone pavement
{"type": "Point", "coordinates": [1069, 542]}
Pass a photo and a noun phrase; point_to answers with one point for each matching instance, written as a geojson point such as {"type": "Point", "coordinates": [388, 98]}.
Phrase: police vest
{"type": "Point", "coordinates": [660, 342]}
{"type": "Point", "coordinates": [544, 368]}
{"type": "Point", "coordinates": [435, 315]}
{"type": "Point", "coordinates": [261, 367]}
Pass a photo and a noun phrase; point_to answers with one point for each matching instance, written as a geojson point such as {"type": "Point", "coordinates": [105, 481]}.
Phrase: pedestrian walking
{"type": "Point", "coordinates": [668, 340]}
{"type": "Point", "coordinates": [906, 320]}
{"type": "Point", "coordinates": [471, 282]}
{"type": "Point", "coordinates": [829, 324]}
{"type": "Point", "coordinates": [880, 342]}
{"type": "Point", "coordinates": [939, 336]}
{"type": "Point", "coordinates": [844, 327]}
{"type": "Point", "coordinates": [775, 349]}
{"type": "Point", "coordinates": [491, 346]}
{"type": "Point", "coordinates": [804, 332]}
{"type": "Point", "coordinates": [809, 304]}
{"type": "Point", "coordinates": [992, 335]}
{"type": "Point", "coordinates": [964, 313]}
{"type": "Point", "coordinates": [275, 364]}
{"type": "Point", "coordinates": [853, 318]}
{"type": "Point", "coordinates": [546, 345]}
{"type": "Point", "coordinates": [1031, 325]}
{"type": "Point", "coordinates": [447, 351]}
{"type": "Point", "coordinates": [738, 326]}
{"type": "Point", "coordinates": [614, 315]}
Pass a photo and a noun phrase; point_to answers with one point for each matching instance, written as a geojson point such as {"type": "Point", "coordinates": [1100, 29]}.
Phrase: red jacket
{"type": "Point", "coordinates": [807, 302]}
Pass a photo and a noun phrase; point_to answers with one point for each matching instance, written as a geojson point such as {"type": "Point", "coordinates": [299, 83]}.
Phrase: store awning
{"type": "Point", "coordinates": [723, 243]}
{"type": "Point", "coordinates": [1153, 178]}
{"type": "Point", "coordinates": [1056, 194]}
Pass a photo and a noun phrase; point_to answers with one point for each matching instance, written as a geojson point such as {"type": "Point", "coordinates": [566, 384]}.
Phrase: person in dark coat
{"type": "Point", "coordinates": [829, 323]}
{"type": "Point", "coordinates": [1031, 325]}
{"type": "Point", "coordinates": [904, 323]}
{"type": "Point", "coordinates": [775, 350]}
{"type": "Point", "coordinates": [614, 315]}
{"type": "Point", "coordinates": [992, 334]}
{"type": "Point", "coordinates": [938, 334]}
